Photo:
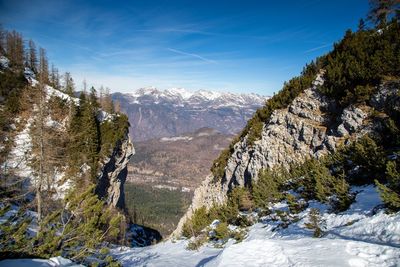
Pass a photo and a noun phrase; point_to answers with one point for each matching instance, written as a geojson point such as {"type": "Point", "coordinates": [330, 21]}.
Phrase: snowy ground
{"type": "Point", "coordinates": [357, 237]}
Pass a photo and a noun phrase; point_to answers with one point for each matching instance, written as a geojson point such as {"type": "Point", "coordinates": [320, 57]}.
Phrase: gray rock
{"type": "Point", "coordinates": [113, 174]}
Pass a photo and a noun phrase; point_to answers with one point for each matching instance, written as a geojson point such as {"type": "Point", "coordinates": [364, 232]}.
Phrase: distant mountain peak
{"type": "Point", "coordinates": [180, 96]}
{"type": "Point", "coordinates": [155, 113]}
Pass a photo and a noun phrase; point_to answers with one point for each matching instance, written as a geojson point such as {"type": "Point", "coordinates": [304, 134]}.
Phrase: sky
{"type": "Point", "coordinates": [236, 46]}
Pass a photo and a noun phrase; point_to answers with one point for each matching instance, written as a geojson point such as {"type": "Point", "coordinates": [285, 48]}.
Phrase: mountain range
{"type": "Point", "coordinates": [155, 113]}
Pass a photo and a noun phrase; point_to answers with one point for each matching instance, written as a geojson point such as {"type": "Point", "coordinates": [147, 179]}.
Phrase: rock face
{"type": "Point", "coordinates": [114, 172]}
{"type": "Point", "coordinates": [311, 126]}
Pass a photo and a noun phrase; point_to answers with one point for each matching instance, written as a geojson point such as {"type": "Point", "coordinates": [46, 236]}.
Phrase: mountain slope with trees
{"type": "Point", "coordinates": [56, 152]}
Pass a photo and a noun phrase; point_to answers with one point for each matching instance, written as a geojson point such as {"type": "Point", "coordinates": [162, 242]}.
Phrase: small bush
{"type": "Point", "coordinates": [315, 223]}
{"type": "Point", "coordinates": [221, 231]}
{"type": "Point", "coordinates": [197, 242]}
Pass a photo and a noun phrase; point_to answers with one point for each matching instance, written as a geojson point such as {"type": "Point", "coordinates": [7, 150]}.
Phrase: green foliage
{"type": "Point", "coordinates": [366, 155]}
{"type": "Point", "coordinates": [198, 221]}
{"type": "Point", "coordinates": [221, 231]}
{"type": "Point", "coordinates": [240, 198]}
{"type": "Point", "coordinates": [78, 230]}
{"type": "Point", "coordinates": [157, 208]}
{"type": "Point", "coordinates": [113, 131]}
{"type": "Point", "coordinates": [390, 192]}
{"type": "Point", "coordinates": [268, 187]}
{"type": "Point", "coordinates": [389, 197]}
{"type": "Point", "coordinates": [359, 62]}
{"type": "Point", "coordinates": [315, 223]}
{"type": "Point", "coordinates": [295, 206]}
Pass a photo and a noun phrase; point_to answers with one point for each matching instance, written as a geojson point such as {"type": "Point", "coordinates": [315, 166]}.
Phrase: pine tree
{"type": "Point", "coordinates": [91, 132]}
{"type": "Point", "coordinates": [316, 223]}
{"type": "Point", "coordinates": [381, 10]}
{"type": "Point", "coordinates": [69, 86]}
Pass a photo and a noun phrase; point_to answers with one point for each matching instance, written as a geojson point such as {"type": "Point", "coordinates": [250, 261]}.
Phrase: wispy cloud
{"type": "Point", "coordinates": [192, 55]}
{"type": "Point", "coordinates": [317, 48]}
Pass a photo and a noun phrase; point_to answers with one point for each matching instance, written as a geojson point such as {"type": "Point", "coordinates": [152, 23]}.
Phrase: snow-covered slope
{"type": "Point", "coordinates": [361, 236]}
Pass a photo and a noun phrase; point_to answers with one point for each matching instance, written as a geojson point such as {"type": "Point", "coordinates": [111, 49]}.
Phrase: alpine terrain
{"type": "Point", "coordinates": [307, 177]}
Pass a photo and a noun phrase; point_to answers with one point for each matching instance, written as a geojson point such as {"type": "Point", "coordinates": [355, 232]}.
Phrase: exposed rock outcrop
{"type": "Point", "coordinates": [311, 126]}
{"type": "Point", "coordinates": [113, 174]}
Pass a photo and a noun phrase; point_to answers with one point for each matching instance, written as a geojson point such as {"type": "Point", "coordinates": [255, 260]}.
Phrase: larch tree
{"type": "Point", "coordinates": [32, 56]}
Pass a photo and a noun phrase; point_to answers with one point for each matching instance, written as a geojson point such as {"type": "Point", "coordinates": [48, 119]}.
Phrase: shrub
{"type": "Point", "coordinates": [196, 223]}
{"type": "Point", "coordinates": [315, 223]}
{"type": "Point", "coordinates": [221, 231]}
{"type": "Point", "coordinates": [268, 188]}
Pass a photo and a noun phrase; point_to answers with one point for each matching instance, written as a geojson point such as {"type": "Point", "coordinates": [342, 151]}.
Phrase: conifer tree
{"type": "Point", "coordinates": [91, 131]}
{"type": "Point", "coordinates": [69, 86]}
{"type": "Point", "coordinates": [382, 10]}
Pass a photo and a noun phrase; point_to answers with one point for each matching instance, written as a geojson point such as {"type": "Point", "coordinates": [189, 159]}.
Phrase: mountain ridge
{"type": "Point", "coordinates": [154, 113]}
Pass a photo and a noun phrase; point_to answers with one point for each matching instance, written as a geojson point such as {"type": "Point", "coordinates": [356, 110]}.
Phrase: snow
{"type": "Point", "coordinates": [52, 262]}
{"type": "Point", "coordinates": [360, 236]}
{"type": "Point", "coordinates": [4, 62]}
{"type": "Point", "coordinates": [181, 97]}
{"type": "Point", "coordinates": [20, 154]}
{"type": "Point", "coordinates": [176, 138]}
{"type": "Point", "coordinates": [50, 91]}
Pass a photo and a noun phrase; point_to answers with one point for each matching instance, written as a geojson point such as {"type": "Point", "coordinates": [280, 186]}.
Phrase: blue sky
{"type": "Point", "coordinates": [237, 46]}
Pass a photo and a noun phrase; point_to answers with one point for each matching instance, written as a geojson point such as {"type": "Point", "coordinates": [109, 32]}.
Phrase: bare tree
{"type": "Point", "coordinates": [33, 61]}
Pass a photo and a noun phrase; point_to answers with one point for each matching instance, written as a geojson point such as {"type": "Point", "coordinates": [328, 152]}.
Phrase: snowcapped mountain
{"type": "Point", "coordinates": [155, 113]}
{"type": "Point", "coordinates": [181, 96]}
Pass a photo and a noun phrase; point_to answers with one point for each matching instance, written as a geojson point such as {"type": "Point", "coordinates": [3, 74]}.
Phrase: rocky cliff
{"type": "Point", "coordinates": [113, 174]}
{"type": "Point", "coordinates": [311, 126]}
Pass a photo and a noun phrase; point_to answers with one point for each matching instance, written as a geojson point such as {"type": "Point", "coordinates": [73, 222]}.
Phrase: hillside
{"type": "Point", "coordinates": [154, 113]}
{"type": "Point", "coordinates": [63, 161]}
{"type": "Point", "coordinates": [333, 128]}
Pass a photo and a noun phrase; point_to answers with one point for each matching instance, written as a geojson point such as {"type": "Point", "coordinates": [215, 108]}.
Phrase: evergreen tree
{"type": "Point", "coordinates": [91, 132]}
{"type": "Point", "coordinates": [69, 86]}
{"type": "Point", "coordinates": [382, 10]}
